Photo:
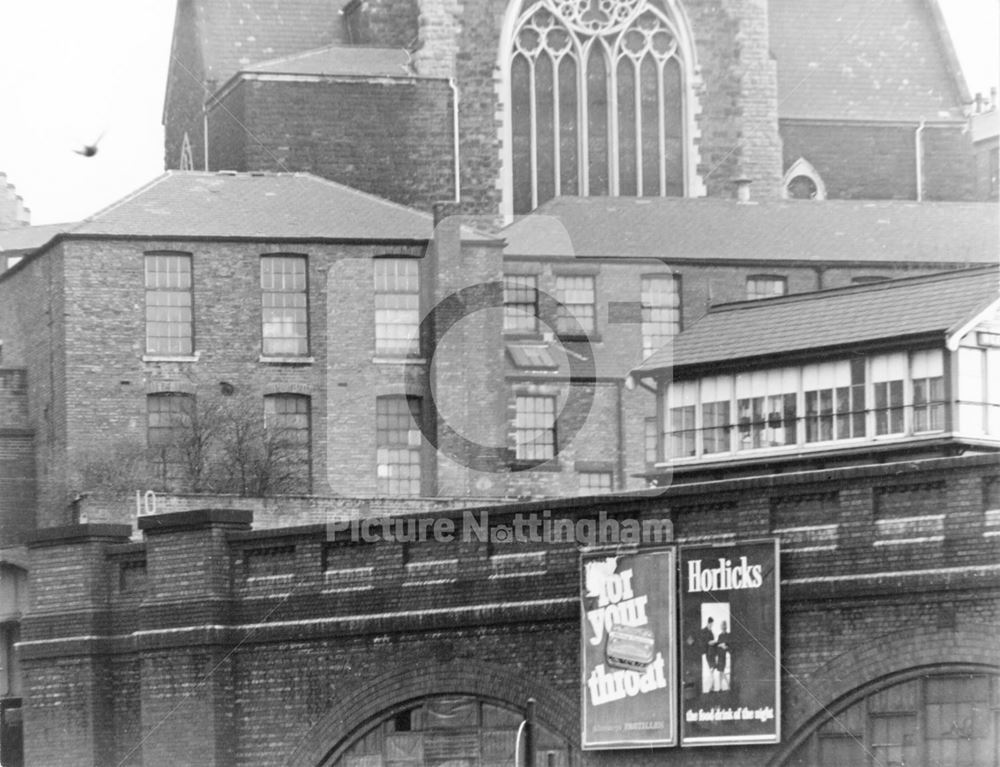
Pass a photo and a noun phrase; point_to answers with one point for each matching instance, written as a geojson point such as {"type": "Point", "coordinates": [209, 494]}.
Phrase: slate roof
{"type": "Point", "coordinates": [194, 204]}
{"type": "Point", "coordinates": [673, 229]}
{"type": "Point", "coordinates": [236, 33]}
{"type": "Point", "coordinates": [865, 60]}
{"type": "Point", "coordinates": [27, 238]}
{"type": "Point", "coordinates": [350, 60]}
{"type": "Point", "coordinates": [926, 305]}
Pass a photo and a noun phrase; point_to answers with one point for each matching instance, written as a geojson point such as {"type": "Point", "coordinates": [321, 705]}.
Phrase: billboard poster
{"type": "Point", "coordinates": [628, 649]}
{"type": "Point", "coordinates": [729, 644]}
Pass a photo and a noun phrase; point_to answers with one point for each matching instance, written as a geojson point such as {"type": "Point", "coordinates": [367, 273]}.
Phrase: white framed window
{"type": "Point", "coordinates": [169, 429]}
{"type": "Point", "coordinates": [651, 450]}
{"type": "Point", "coordinates": [767, 408]}
{"type": "Point", "coordinates": [681, 434]}
{"type": "Point", "coordinates": [927, 371]}
{"type": "Point", "coordinates": [520, 303]}
{"type": "Point", "coordinates": [397, 306]}
{"type": "Point", "coordinates": [534, 427]}
{"type": "Point", "coordinates": [660, 301]}
{"type": "Point", "coordinates": [594, 482]}
{"type": "Point", "coordinates": [766, 286]}
{"type": "Point", "coordinates": [169, 304]}
{"type": "Point", "coordinates": [716, 418]}
{"type": "Point", "coordinates": [598, 100]}
{"type": "Point", "coordinates": [397, 438]}
{"type": "Point", "coordinates": [834, 400]}
{"type": "Point", "coordinates": [888, 374]}
{"type": "Point", "coordinates": [578, 295]}
{"type": "Point", "coordinates": [284, 306]}
{"type": "Point", "coordinates": [287, 418]}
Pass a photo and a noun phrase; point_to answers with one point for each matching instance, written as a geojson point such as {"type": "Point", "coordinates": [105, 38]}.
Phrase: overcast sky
{"type": "Point", "coordinates": [71, 70]}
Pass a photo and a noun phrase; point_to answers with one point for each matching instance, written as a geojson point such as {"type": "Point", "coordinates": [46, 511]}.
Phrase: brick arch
{"type": "Point", "coordinates": [370, 700]}
{"type": "Point", "coordinates": [881, 662]}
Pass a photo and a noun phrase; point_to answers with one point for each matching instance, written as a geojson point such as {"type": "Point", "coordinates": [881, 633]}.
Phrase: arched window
{"type": "Point", "coordinates": [803, 182]}
{"type": "Point", "coordinates": [597, 102]}
{"type": "Point", "coordinates": [454, 730]}
{"type": "Point", "coordinates": [937, 718]}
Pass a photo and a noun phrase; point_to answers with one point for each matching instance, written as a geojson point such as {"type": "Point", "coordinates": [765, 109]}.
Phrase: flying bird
{"type": "Point", "coordinates": [89, 150]}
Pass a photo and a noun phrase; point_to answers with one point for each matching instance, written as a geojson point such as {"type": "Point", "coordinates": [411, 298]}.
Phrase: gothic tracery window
{"type": "Point", "coordinates": [596, 102]}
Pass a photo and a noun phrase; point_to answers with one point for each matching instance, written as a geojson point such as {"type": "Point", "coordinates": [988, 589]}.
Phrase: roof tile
{"type": "Point", "coordinates": [255, 205]}
{"type": "Point", "coordinates": [930, 304]}
{"type": "Point", "coordinates": [791, 230]}
{"type": "Point", "coordinates": [864, 60]}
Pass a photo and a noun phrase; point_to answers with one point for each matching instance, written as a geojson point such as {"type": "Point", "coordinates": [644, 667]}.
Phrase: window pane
{"type": "Point", "coordinates": [169, 318]}
{"type": "Point", "coordinates": [765, 287]}
{"type": "Point", "coordinates": [650, 106]}
{"type": "Point", "coordinates": [650, 437]}
{"type": "Point", "coordinates": [627, 147]}
{"type": "Point", "coordinates": [535, 428]}
{"type": "Point", "coordinates": [520, 111]}
{"type": "Point", "coordinates": [576, 293]}
{"type": "Point", "coordinates": [595, 482]}
{"type": "Point", "coordinates": [597, 122]}
{"type": "Point", "coordinates": [673, 128]}
{"type": "Point", "coordinates": [289, 445]}
{"type": "Point", "coordinates": [545, 135]}
{"type": "Point", "coordinates": [520, 303]}
{"type": "Point", "coordinates": [569, 161]}
{"type": "Point", "coordinates": [397, 306]}
{"type": "Point", "coordinates": [398, 440]}
{"type": "Point", "coordinates": [284, 306]}
{"type": "Point", "coordinates": [169, 427]}
{"type": "Point", "coordinates": [661, 312]}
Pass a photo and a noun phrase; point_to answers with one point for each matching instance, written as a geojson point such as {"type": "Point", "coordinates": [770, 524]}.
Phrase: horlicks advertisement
{"type": "Point", "coordinates": [629, 651]}
{"type": "Point", "coordinates": [729, 644]}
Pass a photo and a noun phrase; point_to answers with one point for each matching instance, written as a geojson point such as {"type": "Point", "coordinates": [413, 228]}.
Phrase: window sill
{"type": "Point", "coordinates": [550, 464]}
{"type": "Point", "coordinates": [592, 338]}
{"type": "Point", "coordinates": [523, 335]}
{"type": "Point", "coordinates": [401, 360]}
{"type": "Point", "coordinates": [171, 357]}
{"type": "Point", "coordinates": [286, 360]}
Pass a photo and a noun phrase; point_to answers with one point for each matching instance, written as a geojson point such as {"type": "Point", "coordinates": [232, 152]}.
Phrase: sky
{"type": "Point", "coordinates": [73, 71]}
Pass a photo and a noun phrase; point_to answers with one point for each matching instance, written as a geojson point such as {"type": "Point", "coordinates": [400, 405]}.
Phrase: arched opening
{"type": "Point", "coordinates": [943, 717]}
{"type": "Point", "coordinates": [599, 101]}
{"type": "Point", "coordinates": [448, 731]}
{"type": "Point", "coordinates": [803, 182]}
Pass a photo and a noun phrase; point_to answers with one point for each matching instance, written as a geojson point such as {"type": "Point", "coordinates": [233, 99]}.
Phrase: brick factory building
{"type": "Point", "coordinates": [208, 642]}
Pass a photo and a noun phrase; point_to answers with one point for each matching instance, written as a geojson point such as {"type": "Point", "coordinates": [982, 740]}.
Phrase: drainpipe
{"type": "Point", "coordinates": [918, 147]}
{"type": "Point", "coordinates": [204, 118]}
{"type": "Point", "coordinates": [454, 126]}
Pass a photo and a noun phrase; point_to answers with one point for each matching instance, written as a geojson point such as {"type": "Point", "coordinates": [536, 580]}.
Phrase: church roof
{"type": "Point", "coordinates": [865, 60]}
{"type": "Point", "coordinates": [233, 35]}
{"type": "Point", "coordinates": [27, 238]}
{"type": "Point", "coordinates": [349, 60]}
{"type": "Point", "coordinates": [832, 231]}
{"type": "Point", "coordinates": [813, 322]}
{"type": "Point", "coordinates": [265, 206]}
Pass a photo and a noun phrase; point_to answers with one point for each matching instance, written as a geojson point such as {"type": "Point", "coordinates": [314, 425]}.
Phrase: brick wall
{"type": "Point", "coordinates": [391, 137]}
{"type": "Point", "coordinates": [287, 643]}
{"type": "Point", "coordinates": [949, 164]}
{"type": "Point", "coordinates": [17, 458]}
{"type": "Point", "coordinates": [879, 162]}
{"type": "Point", "coordinates": [82, 349]}
{"type": "Point", "coordinates": [228, 135]}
